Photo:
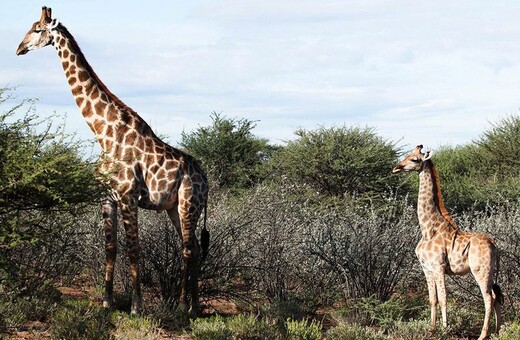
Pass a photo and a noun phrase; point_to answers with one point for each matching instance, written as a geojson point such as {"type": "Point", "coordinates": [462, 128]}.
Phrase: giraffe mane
{"type": "Point", "coordinates": [437, 195]}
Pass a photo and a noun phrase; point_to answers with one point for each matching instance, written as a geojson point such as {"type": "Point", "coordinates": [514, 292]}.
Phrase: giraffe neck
{"type": "Point", "coordinates": [433, 216]}
{"type": "Point", "coordinates": [106, 115]}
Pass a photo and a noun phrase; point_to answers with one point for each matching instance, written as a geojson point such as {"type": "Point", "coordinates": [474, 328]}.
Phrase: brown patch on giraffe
{"type": "Point", "coordinates": [149, 144]}
{"type": "Point", "coordinates": [100, 108]}
{"type": "Point", "coordinates": [99, 126]}
{"type": "Point", "coordinates": [83, 76]}
{"type": "Point", "coordinates": [79, 101]}
{"type": "Point", "coordinates": [66, 54]}
{"type": "Point", "coordinates": [73, 58]}
{"type": "Point", "coordinates": [72, 81]}
{"type": "Point", "coordinates": [95, 93]}
{"type": "Point", "coordinates": [112, 113]}
{"type": "Point", "coordinates": [129, 173]}
{"type": "Point", "coordinates": [65, 65]}
{"type": "Point", "coordinates": [77, 90]}
{"type": "Point", "coordinates": [87, 110]}
{"type": "Point", "coordinates": [140, 143]}
{"type": "Point", "coordinates": [104, 97]}
{"type": "Point", "coordinates": [62, 42]}
{"type": "Point", "coordinates": [154, 168]}
{"type": "Point", "coordinates": [89, 86]}
{"type": "Point", "coordinates": [130, 138]}
{"type": "Point", "coordinates": [109, 131]}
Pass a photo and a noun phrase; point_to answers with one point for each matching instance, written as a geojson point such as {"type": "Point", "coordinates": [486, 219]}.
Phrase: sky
{"type": "Point", "coordinates": [417, 72]}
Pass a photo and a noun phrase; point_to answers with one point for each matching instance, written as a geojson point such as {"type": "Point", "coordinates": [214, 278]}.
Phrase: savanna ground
{"type": "Point", "coordinates": [313, 239]}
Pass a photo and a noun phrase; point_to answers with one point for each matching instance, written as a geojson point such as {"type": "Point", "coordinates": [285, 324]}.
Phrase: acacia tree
{"type": "Point", "coordinates": [45, 185]}
{"type": "Point", "coordinates": [231, 154]}
{"type": "Point", "coordinates": [338, 161]}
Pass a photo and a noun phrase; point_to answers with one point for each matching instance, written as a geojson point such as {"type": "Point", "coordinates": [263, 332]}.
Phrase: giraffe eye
{"type": "Point", "coordinates": [415, 160]}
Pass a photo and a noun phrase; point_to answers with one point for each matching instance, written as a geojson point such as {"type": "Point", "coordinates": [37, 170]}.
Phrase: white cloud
{"type": "Point", "coordinates": [413, 70]}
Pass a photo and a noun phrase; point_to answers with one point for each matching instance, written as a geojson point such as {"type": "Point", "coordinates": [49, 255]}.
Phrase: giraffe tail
{"type": "Point", "coordinates": [497, 294]}
{"type": "Point", "coordinates": [204, 236]}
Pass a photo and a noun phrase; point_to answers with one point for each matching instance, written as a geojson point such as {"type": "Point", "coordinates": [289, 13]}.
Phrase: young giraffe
{"type": "Point", "coordinates": [141, 170]}
{"type": "Point", "coordinates": [445, 249]}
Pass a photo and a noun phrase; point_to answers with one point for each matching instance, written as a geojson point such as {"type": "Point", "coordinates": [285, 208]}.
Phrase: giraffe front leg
{"type": "Point", "coordinates": [432, 297]}
{"type": "Point", "coordinates": [109, 212]}
{"type": "Point", "coordinates": [441, 293]}
{"type": "Point", "coordinates": [129, 212]}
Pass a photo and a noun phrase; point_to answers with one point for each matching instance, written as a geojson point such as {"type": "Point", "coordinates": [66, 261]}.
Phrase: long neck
{"type": "Point", "coordinates": [431, 211]}
{"type": "Point", "coordinates": [106, 115]}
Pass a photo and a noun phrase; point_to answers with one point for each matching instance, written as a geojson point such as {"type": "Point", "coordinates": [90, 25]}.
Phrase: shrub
{"type": "Point", "coordinates": [338, 162]}
{"type": "Point", "coordinates": [383, 314]}
{"type": "Point", "coordinates": [417, 329]}
{"type": "Point", "coordinates": [247, 327]}
{"type": "Point", "coordinates": [128, 327]}
{"type": "Point", "coordinates": [79, 320]}
{"type": "Point", "coordinates": [303, 330]}
{"type": "Point", "coordinates": [228, 150]}
{"type": "Point", "coordinates": [45, 186]}
{"type": "Point", "coordinates": [509, 331]}
{"type": "Point", "coordinates": [213, 328]}
{"type": "Point", "coordinates": [354, 332]}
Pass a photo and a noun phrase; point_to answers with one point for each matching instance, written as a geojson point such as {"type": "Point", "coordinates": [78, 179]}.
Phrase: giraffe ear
{"type": "Point", "coordinates": [428, 155]}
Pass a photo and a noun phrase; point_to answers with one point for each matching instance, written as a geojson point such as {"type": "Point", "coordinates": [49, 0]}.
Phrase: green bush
{"type": "Point", "coordinates": [383, 314]}
{"type": "Point", "coordinates": [355, 332]}
{"type": "Point", "coordinates": [213, 328]}
{"type": "Point", "coordinates": [303, 330]}
{"type": "Point", "coordinates": [247, 327]}
{"type": "Point", "coordinates": [338, 162]}
{"type": "Point", "coordinates": [417, 329]}
{"type": "Point", "coordinates": [45, 187]}
{"type": "Point", "coordinates": [128, 327]}
{"type": "Point", "coordinates": [232, 156]}
{"type": "Point", "coordinates": [509, 331]}
{"type": "Point", "coordinates": [79, 320]}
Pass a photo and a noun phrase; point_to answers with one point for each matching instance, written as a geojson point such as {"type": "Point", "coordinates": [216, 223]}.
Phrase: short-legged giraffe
{"type": "Point", "coordinates": [142, 170]}
{"type": "Point", "coordinates": [445, 249]}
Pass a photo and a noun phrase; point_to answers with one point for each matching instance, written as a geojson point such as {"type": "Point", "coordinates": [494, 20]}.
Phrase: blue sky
{"type": "Point", "coordinates": [419, 72]}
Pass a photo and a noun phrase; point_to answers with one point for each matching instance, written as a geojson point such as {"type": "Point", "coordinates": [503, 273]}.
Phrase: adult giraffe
{"type": "Point", "coordinates": [141, 170]}
{"type": "Point", "coordinates": [445, 249]}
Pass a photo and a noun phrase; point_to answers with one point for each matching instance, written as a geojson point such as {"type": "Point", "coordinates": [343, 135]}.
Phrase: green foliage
{"type": "Point", "coordinates": [228, 150]}
{"type": "Point", "coordinates": [338, 161]}
{"type": "Point", "coordinates": [80, 320]}
{"type": "Point", "coordinates": [213, 328]}
{"type": "Point", "coordinates": [355, 332]}
{"type": "Point", "coordinates": [417, 329]}
{"type": "Point", "coordinates": [501, 144]}
{"type": "Point", "coordinates": [509, 331]}
{"type": "Point", "coordinates": [484, 172]}
{"type": "Point", "coordinates": [134, 327]}
{"type": "Point", "coordinates": [303, 330]}
{"type": "Point", "coordinates": [44, 182]}
{"type": "Point", "coordinates": [383, 314]}
{"type": "Point", "coordinates": [248, 327]}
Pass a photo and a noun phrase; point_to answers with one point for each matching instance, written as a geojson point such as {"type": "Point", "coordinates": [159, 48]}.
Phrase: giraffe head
{"type": "Point", "coordinates": [40, 33]}
{"type": "Point", "coordinates": [414, 161]}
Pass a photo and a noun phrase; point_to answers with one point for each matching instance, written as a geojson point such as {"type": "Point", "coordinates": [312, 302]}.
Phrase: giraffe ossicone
{"type": "Point", "coordinates": [444, 249]}
{"type": "Point", "coordinates": [141, 170]}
